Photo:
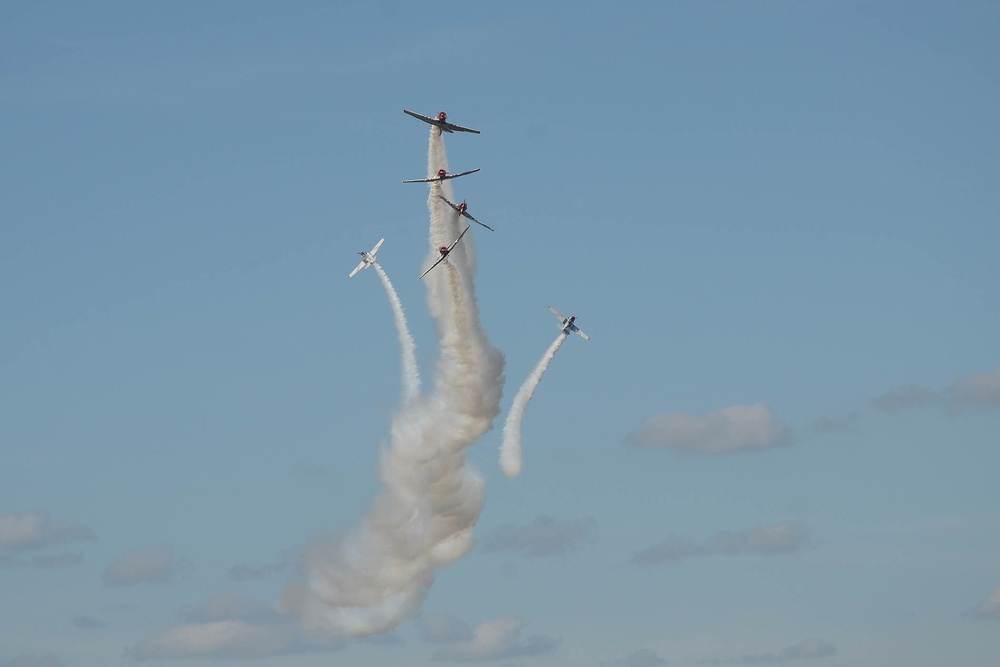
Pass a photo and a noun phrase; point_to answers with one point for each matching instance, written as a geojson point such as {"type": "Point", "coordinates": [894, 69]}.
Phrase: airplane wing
{"type": "Point", "coordinates": [481, 223]}
{"type": "Point", "coordinates": [463, 173]}
{"type": "Point", "coordinates": [440, 259]}
{"type": "Point", "coordinates": [579, 331]}
{"type": "Point", "coordinates": [459, 128]}
{"type": "Point", "coordinates": [357, 268]}
{"type": "Point", "coordinates": [377, 246]}
{"type": "Point", "coordinates": [426, 119]}
{"type": "Point", "coordinates": [455, 242]}
{"type": "Point", "coordinates": [444, 125]}
{"type": "Point", "coordinates": [454, 206]}
{"type": "Point", "coordinates": [436, 179]}
{"type": "Point", "coordinates": [556, 313]}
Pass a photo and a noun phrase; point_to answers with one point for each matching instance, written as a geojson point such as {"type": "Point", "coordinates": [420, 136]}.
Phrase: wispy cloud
{"type": "Point", "coordinates": [56, 561]}
{"type": "Point", "coordinates": [248, 573]}
{"type": "Point", "coordinates": [224, 639]}
{"type": "Point", "coordinates": [36, 530]}
{"type": "Point", "coordinates": [41, 562]}
{"type": "Point", "coordinates": [901, 398]}
{"type": "Point", "coordinates": [775, 538]}
{"type": "Point", "coordinates": [733, 429]}
{"type": "Point", "coordinates": [88, 622]}
{"type": "Point", "coordinates": [496, 639]}
{"type": "Point", "coordinates": [229, 626]}
{"type": "Point", "coordinates": [391, 638]}
{"type": "Point", "coordinates": [644, 657]}
{"type": "Point", "coordinates": [807, 649]}
{"type": "Point", "coordinates": [976, 389]}
{"type": "Point", "coordinates": [543, 537]}
{"type": "Point", "coordinates": [970, 391]}
{"type": "Point", "coordinates": [33, 661]}
{"type": "Point", "coordinates": [829, 425]}
{"type": "Point", "coordinates": [444, 629]}
{"type": "Point", "coordinates": [989, 607]}
{"type": "Point", "coordinates": [230, 607]}
{"type": "Point", "coordinates": [146, 565]}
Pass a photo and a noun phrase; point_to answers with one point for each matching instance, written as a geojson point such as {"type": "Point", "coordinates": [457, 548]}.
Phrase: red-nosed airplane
{"type": "Point", "coordinates": [367, 258]}
{"type": "Point", "coordinates": [445, 250]}
{"type": "Point", "coordinates": [567, 324]}
{"type": "Point", "coordinates": [462, 209]}
{"type": "Point", "coordinates": [441, 122]}
{"type": "Point", "coordinates": [442, 175]}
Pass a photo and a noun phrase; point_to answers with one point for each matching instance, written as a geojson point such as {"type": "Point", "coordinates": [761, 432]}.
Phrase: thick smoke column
{"type": "Point", "coordinates": [411, 374]}
{"type": "Point", "coordinates": [370, 580]}
{"type": "Point", "coordinates": [511, 460]}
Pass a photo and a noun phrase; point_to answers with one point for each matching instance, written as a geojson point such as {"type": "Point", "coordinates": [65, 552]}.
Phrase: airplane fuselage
{"type": "Point", "coordinates": [441, 122]}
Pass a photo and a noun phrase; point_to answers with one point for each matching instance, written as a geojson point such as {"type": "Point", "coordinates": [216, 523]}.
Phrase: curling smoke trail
{"type": "Point", "coordinates": [511, 460]}
{"type": "Point", "coordinates": [370, 580]}
{"type": "Point", "coordinates": [411, 374]}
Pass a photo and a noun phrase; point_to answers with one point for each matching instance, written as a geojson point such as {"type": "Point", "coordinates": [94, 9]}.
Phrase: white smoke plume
{"type": "Point", "coordinates": [370, 580]}
{"type": "Point", "coordinates": [411, 374]}
{"type": "Point", "coordinates": [511, 459]}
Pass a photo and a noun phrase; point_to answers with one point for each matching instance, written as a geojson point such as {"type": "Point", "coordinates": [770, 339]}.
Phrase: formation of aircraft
{"type": "Point", "coordinates": [462, 209]}
{"type": "Point", "coordinates": [567, 324]}
{"type": "Point", "coordinates": [443, 175]}
{"type": "Point", "coordinates": [367, 258]}
{"type": "Point", "coordinates": [444, 250]}
{"type": "Point", "coordinates": [441, 122]}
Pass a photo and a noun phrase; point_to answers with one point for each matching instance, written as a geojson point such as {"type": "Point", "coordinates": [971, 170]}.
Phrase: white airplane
{"type": "Point", "coordinates": [463, 210]}
{"type": "Point", "coordinates": [567, 324]}
{"type": "Point", "coordinates": [443, 175]}
{"type": "Point", "coordinates": [444, 250]}
{"type": "Point", "coordinates": [441, 122]}
{"type": "Point", "coordinates": [367, 258]}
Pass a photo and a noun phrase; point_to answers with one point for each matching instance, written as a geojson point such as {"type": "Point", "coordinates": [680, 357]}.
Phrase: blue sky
{"type": "Point", "coordinates": [777, 221]}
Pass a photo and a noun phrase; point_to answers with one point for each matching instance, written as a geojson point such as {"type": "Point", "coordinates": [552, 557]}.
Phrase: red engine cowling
{"type": "Point", "coordinates": [442, 116]}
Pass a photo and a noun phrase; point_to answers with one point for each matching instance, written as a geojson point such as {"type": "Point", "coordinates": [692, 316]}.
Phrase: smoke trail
{"type": "Point", "coordinates": [438, 159]}
{"type": "Point", "coordinates": [511, 460]}
{"type": "Point", "coordinates": [370, 580]}
{"type": "Point", "coordinates": [411, 374]}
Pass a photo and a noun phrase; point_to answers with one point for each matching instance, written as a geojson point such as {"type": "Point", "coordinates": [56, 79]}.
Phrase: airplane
{"type": "Point", "coordinates": [567, 324]}
{"type": "Point", "coordinates": [367, 258]}
{"type": "Point", "coordinates": [441, 122]}
{"type": "Point", "coordinates": [462, 210]}
{"type": "Point", "coordinates": [443, 175]}
{"type": "Point", "coordinates": [444, 250]}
